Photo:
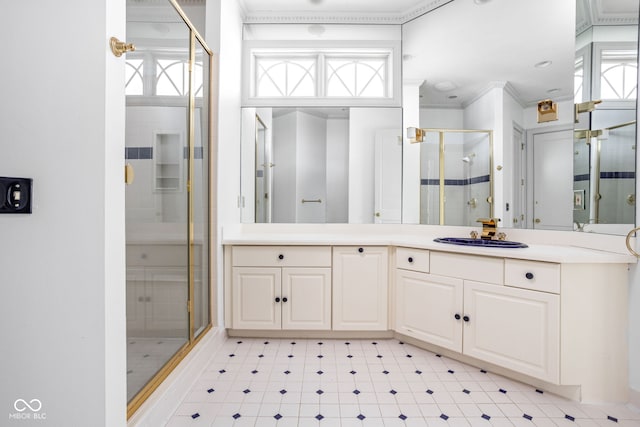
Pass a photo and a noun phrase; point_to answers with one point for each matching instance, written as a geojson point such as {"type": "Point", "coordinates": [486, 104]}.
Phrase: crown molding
{"type": "Point", "coordinates": [590, 13]}
{"type": "Point", "coordinates": [342, 18]}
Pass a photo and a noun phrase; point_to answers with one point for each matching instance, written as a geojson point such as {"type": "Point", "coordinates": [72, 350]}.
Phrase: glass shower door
{"type": "Point", "coordinates": [157, 208]}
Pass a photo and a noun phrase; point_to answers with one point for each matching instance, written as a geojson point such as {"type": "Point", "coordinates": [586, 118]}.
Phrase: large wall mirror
{"type": "Point", "coordinates": [485, 65]}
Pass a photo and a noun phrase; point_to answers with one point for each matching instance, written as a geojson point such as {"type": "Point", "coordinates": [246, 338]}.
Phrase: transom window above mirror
{"type": "Point", "coordinates": [322, 74]}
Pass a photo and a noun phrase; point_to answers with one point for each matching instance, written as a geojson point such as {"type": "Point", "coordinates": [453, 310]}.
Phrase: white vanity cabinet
{"type": "Point", "coordinates": [279, 287]}
{"type": "Point", "coordinates": [426, 305]}
{"type": "Point", "coordinates": [514, 328]}
{"type": "Point", "coordinates": [360, 288]}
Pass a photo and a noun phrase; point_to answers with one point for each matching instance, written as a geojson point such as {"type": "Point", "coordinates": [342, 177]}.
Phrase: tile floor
{"type": "Point", "coordinates": [362, 383]}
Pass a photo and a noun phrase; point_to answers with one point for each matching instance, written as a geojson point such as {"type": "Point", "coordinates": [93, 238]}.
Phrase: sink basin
{"type": "Point", "coordinates": [467, 241]}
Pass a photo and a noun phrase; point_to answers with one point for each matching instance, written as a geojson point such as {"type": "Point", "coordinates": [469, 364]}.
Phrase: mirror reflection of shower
{"type": "Point", "coordinates": [469, 158]}
{"type": "Point", "coordinates": [472, 202]}
{"type": "Point", "coordinates": [456, 183]}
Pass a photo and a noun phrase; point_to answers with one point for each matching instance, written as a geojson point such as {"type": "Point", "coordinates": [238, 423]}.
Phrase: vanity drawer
{"type": "Point", "coordinates": [281, 256]}
{"type": "Point", "coordinates": [533, 275]}
{"type": "Point", "coordinates": [468, 267]}
{"type": "Point", "coordinates": [412, 259]}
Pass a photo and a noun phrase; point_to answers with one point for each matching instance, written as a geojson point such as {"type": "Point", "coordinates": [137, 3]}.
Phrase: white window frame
{"type": "Point", "coordinates": [598, 47]}
{"type": "Point", "coordinates": [390, 49]}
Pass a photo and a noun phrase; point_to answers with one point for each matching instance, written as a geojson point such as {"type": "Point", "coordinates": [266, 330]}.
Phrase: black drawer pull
{"type": "Point", "coordinates": [457, 316]}
{"type": "Point", "coordinates": [410, 259]}
{"type": "Point", "coordinates": [277, 299]}
{"type": "Point", "coordinates": [466, 318]}
{"type": "Point", "coordinates": [529, 276]}
{"type": "Point", "coordinates": [284, 299]}
{"type": "Point", "coordinates": [280, 256]}
{"type": "Point", "coordinates": [360, 250]}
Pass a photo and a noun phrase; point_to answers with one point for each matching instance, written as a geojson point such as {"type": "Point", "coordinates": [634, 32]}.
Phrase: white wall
{"type": "Point", "coordinates": [224, 37]}
{"type": "Point", "coordinates": [634, 305]}
{"type": "Point", "coordinates": [337, 170]}
{"type": "Point", "coordinates": [311, 168]}
{"type": "Point", "coordinates": [62, 280]}
{"type": "Point", "coordinates": [284, 172]}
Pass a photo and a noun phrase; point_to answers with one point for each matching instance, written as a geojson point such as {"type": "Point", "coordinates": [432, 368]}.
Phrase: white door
{"type": "Point", "coordinates": [360, 288]}
{"type": "Point", "coordinates": [306, 298]}
{"type": "Point", "coordinates": [553, 180]}
{"type": "Point", "coordinates": [515, 328]}
{"type": "Point", "coordinates": [429, 308]}
{"type": "Point", "coordinates": [388, 177]}
{"type": "Point", "coordinates": [256, 298]}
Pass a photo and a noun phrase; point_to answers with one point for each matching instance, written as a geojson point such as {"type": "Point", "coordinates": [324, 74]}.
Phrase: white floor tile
{"type": "Point", "coordinates": [240, 388]}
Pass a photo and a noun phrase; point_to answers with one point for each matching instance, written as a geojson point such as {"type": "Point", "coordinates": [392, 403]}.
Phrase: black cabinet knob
{"type": "Point", "coordinates": [465, 318]}
{"type": "Point", "coordinates": [277, 299]}
{"type": "Point", "coordinates": [529, 276]}
{"type": "Point", "coordinates": [284, 299]}
{"type": "Point", "coordinates": [457, 316]}
{"type": "Point", "coordinates": [410, 259]}
{"type": "Point", "coordinates": [280, 256]}
{"type": "Point", "coordinates": [360, 250]}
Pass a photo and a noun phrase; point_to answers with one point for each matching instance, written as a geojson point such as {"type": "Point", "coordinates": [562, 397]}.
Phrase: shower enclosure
{"type": "Point", "coordinates": [456, 176]}
{"type": "Point", "coordinates": [604, 175]}
{"type": "Point", "coordinates": [168, 83]}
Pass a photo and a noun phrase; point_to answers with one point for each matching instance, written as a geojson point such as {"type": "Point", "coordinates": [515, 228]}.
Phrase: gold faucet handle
{"type": "Point", "coordinates": [489, 227]}
{"type": "Point", "coordinates": [491, 222]}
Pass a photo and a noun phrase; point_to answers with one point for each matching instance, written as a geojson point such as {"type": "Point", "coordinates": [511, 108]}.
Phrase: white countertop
{"type": "Point", "coordinates": [561, 253]}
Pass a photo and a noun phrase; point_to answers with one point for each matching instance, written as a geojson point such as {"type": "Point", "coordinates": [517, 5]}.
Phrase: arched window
{"type": "Point", "coordinates": [619, 75]}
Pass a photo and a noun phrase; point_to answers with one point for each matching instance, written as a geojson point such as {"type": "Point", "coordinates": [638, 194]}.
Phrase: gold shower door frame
{"type": "Point", "coordinates": [441, 141]}
{"type": "Point", "coordinates": [135, 403]}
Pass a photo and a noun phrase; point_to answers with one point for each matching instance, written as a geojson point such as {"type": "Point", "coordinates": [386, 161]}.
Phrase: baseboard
{"type": "Point", "coordinates": [303, 334]}
{"type": "Point", "coordinates": [163, 402]}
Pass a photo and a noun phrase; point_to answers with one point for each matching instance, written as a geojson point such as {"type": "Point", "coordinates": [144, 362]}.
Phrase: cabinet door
{"type": "Point", "coordinates": [514, 328]}
{"type": "Point", "coordinates": [167, 290]}
{"type": "Point", "coordinates": [427, 307]}
{"type": "Point", "coordinates": [360, 285]}
{"type": "Point", "coordinates": [306, 298]}
{"type": "Point", "coordinates": [254, 293]}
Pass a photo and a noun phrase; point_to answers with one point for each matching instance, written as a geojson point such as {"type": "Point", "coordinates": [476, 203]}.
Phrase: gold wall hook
{"type": "Point", "coordinates": [118, 47]}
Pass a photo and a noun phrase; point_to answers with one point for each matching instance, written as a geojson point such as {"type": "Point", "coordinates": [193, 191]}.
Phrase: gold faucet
{"type": "Point", "coordinates": [489, 227]}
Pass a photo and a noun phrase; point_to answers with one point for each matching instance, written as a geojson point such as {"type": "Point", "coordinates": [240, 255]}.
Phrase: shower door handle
{"type": "Point", "coordinates": [129, 174]}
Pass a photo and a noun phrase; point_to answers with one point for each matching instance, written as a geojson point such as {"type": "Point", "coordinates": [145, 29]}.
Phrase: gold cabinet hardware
{"type": "Point", "coordinates": [378, 214]}
{"type": "Point", "coordinates": [537, 221]}
{"type": "Point", "coordinates": [129, 174]}
{"type": "Point", "coordinates": [118, 47]}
